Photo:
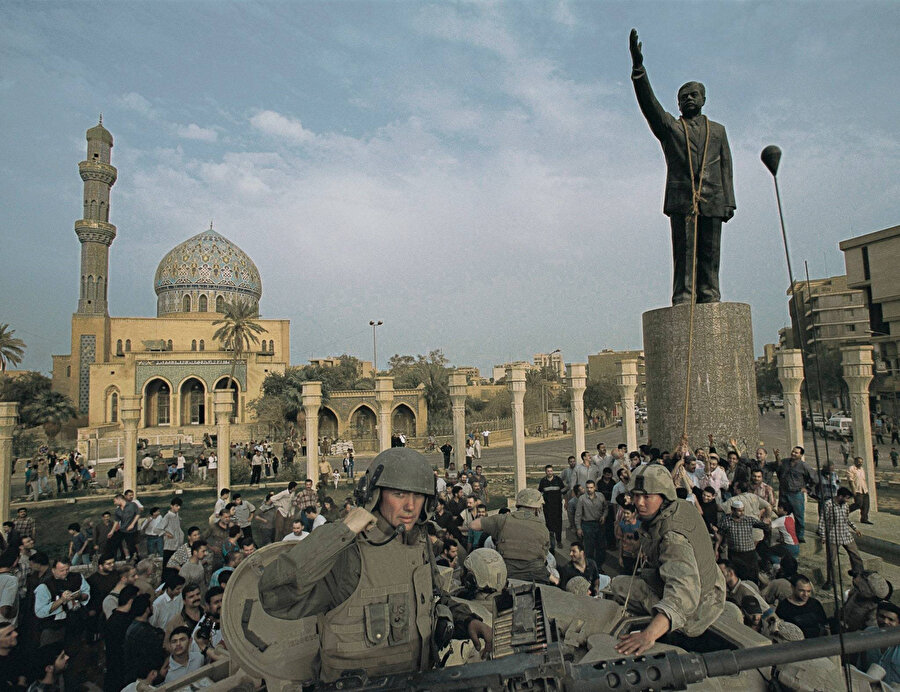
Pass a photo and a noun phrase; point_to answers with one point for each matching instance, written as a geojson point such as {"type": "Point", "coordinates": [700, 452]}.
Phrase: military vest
{"type": "Point", "coordinates": [385, 625]}
{"type": "Point", "coordinates": [72, 582]}
{"type": "Point", "coordinates": [523, 536]}
{"type": "Point", "coordinates": [681, 517]}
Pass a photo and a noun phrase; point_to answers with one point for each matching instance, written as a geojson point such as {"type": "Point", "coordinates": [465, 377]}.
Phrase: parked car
{"type": "Point", "coordinates": [838, 427]}
{"type": "Point", "coordinates": [819, 422]}
{"type": "Point", "coordinates": [777, 402]}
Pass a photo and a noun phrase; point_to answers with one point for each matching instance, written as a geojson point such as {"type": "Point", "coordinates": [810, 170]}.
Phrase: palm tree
{"type": "Point", "coordinates": [11, 348]}
{"type": "Point", "coordinates": [50, 409]}
{"type": "Point", "coordinates": [238, 331]}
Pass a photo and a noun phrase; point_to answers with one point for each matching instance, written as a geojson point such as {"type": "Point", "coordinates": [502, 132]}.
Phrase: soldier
{"type": "Point", "coordinates": [680, 584]}
{"type": "Point", "coordinates": [869, 588]}
{"type": "Point", "coordinates": [521, 537]}
{"type": "Point", "coordinates": [370, 579]}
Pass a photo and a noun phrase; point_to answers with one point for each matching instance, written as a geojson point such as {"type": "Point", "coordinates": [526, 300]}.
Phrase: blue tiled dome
{"type": "Point", "coordinates": [202, 271]}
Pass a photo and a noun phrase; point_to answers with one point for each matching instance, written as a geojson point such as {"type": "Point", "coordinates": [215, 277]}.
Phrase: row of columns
{"type": "Point", "coordinates": [311, 397]}
{"type": "Point", "coordinates": [515, 385]}
{"type": "Point", "coordinates": [856, 363]}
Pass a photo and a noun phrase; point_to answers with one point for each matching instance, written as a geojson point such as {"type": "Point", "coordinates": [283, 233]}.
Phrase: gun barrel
{"type": "Point", "coordinates": [676, 671]}
{"type": "Point", "coordinates": [731, 662]}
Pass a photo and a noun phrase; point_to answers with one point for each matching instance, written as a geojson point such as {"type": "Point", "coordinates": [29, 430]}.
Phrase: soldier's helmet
{"type": "Point", "coordinates": [488, 568]}
{"type": "Point", "coordinates": [529, 497]}
{"type": "Point", "coordinates": [579, 586]}
{"type": "Point", "coordinates": [653, 479]}
{"type": "Point", "coordinates": [398, 468]}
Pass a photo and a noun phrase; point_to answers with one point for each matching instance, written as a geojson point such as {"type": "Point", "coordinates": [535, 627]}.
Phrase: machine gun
{"type": "Point", "coordinates": [550, 671]}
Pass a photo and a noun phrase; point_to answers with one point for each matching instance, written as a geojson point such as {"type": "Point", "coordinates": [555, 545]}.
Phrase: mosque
{"type": "Point", "coordinates": [172, 360]}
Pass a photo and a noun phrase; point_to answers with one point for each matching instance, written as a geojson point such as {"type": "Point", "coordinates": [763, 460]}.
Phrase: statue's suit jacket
{"type": "Point", "coordinates": [718, 187]}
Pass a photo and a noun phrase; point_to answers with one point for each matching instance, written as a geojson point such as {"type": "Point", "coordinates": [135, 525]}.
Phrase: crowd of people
{"type": "Point", "coordinates": [144, 598]}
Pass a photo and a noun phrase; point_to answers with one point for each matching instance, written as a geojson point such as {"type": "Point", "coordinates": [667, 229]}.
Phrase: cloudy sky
{"type": "Point", "coordinates": [477, 175]}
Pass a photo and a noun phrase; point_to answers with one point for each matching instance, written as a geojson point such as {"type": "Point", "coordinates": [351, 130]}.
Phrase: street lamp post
{"type": "Point", "coordinates": [545, 398]}
{"type": "Point", "coordinates": [374, 325]}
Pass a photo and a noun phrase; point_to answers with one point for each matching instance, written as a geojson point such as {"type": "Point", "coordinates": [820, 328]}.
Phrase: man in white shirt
{"type": "Point", "coordinates": [151, 669]}
{"type": "Point", "coordinates": [55, 597]}
{"type": "Point", "coordinates": [182, 660]}
{"type": "Point", "coordinates": [169, 603]}
{"type": "Point", "coordinates": [283, 502]}
{"type": "Point", "coordinates": [315, 519]}
{"type": "Point", "coordinates": [179, 466]}
{"type": "Point", "coordinates": [602, 458]}
{"type": "Point", "coordinates": [298, 534]}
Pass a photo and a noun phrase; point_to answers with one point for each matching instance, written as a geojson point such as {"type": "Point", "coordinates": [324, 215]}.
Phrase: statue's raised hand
{"type": "Point", "coordinates": [637, 58]}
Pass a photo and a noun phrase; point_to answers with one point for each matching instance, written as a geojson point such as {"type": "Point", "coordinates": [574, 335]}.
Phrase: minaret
{"type": "Point", "coordinates": [94, 230]}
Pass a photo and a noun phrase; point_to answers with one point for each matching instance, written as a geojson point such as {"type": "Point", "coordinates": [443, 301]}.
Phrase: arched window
{"type": "Point", "coordinates": [203, 304]}
{"type": "Point", "coordinates": [220, 304]}
{"type": "Point", "coordinates": [169, 345]}
{"type": "Point", "coordinates": [187, 304]}
{"type": "Point", "coordinates": [68, 371]}
{"type": "Point", "coordinates": [202, 345]}
{"type": "Point", "coordinates": [114, 408]}
{"type": "Point", "coordinates": [271, 346]}
{"type": "Point", "coordinates": [193, 344]}
{"type": "Point", "coordinates": [127, 345]}
{"type": "Point", "coordinates": [119, 351]}
{"type": "Point", "coordinates": [162, 405]}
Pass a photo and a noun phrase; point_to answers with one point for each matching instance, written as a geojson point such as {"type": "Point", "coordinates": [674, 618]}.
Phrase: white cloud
{"type": "Point", "coordinates": [194, 131]}
{"type": "Point", "coordinates": [280, 126]}
{"type": "Point", "coordinates": [562, 14]}
{"type": "Point", "coordinates": [137, 103]}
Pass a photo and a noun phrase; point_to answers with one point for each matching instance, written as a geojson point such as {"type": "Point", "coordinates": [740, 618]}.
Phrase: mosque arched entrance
{"type": "Point", "coordinates": [193, 402]}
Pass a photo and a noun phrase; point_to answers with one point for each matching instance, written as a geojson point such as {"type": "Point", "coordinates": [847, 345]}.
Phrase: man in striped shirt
{"type": "Point", "coordinates": [835, 521]}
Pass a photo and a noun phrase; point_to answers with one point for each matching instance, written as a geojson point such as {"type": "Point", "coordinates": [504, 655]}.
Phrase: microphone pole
{"type": "Point", "coordinates": [771, 158]}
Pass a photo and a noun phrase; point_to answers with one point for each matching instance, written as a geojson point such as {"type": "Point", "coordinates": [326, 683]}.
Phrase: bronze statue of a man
{"type": "Point", "coordinates": [698, 181]}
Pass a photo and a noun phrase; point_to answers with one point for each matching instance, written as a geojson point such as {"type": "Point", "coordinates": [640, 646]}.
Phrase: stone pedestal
{"type": "Point", "coordinates": [384, 397]}
{"type": "Point", "coordinates": [627, 379]}
{"type": "Point", "coordinates": [8, 420]}
{"type": "Point", "coordinates": [130, 414]}
{"type": "Point", "coordinates": [515, 385]}
{"type": "Point", "coordinates": [223, 407]}
{"type": "Point", "coordinates": [311, 395]}
{"type": "Point", "coordinates": [790, 374]}
{"type": "Point", "coordinates": [577, 381]}
{"type": "Point", "coordinates": [458, 384]}
{"type": "Point", "coordinates": [722, 392]}
{"type": "Point", "coordinates": [856, 362]}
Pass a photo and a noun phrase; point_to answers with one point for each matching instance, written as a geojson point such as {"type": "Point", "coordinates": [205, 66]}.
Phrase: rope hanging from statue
{"type": "Point", "coordinates": [695, 215]}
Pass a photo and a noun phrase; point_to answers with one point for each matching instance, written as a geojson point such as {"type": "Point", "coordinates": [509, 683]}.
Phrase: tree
{"type": "Point", "coordinates": [286, 388]}
{"type": "Point", "coordinates": [431, 371]}
{"type": "Point", "coordinates": [25, 390]}
{"type": "Point", "coordinates": [11, 348]}
{"type": "Point", "coordinates": [50, 409]}
{"type": "Point", "coordinates": [238, 331]}
{"type": "Point", "coordinates": [600, 395]}
{"type": "Point", "coordinates": [767, 382]}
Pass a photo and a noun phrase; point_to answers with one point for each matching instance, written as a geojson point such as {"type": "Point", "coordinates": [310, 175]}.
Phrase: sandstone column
{"type": "Point", "coordinates": [223, 407]}
{"type": "Point", "coordinates": [790, 374]}
{"type": "Point", "coordinates": [627, 379]}
{"type": "Point", "coordinates": [8, 419]}
{"type": "Point", "coordinates": [577, 384]}
{"type": "Point", "coordinates": [857, 366]}
{"type": "Point", "coordinates": [515, 384]}
{"type": "Point", "coordinates": [312, 402]}
{"type": "Point", "coordinates": [384, 397]}
{"type": "Point", "coordinates": [458, 399]}
{"type": "Point", "coordinates": [130, 414]}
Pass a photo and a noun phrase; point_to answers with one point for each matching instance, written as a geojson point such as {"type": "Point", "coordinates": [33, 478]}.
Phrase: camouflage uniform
{"type": "Point", "coordinates": [373, 592]}
{"type": "Point", "coordinates": [680, 578]}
